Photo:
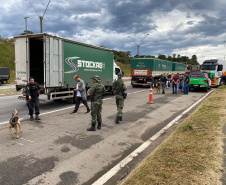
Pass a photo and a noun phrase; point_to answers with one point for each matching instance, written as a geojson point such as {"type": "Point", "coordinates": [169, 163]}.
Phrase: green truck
{"type": "Point", "coordinates": [146, 71]}
{"type": "Point", "coordinates": [53, 61]}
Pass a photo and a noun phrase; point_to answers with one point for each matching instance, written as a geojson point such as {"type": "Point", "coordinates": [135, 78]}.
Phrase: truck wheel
{"type": "Point", "coordinates": [206, 89]}
{"type": "Point", "coordinates": [17, 88]}
{"type": "Point", "coordinates": [222, 82]}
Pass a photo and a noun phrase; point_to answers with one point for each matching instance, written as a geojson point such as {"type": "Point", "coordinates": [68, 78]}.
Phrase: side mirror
{"type": "Point", "coordinates": [122, 73]}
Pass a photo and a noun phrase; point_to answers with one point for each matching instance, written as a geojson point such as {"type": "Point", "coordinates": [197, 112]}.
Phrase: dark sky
{"type": "Point", "coordinates": [174, 26]}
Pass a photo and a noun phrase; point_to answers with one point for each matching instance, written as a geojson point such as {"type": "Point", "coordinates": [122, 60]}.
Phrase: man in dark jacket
{"type": "Point", "coordinates": [32, 92]}
{"type": "Point", "coordinates": [81, 94]}
{"type": "Point", "coordinates": [163, 83]}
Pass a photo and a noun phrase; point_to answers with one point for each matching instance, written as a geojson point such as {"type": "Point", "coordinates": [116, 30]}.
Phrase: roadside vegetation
{"type": "Point", "coordinates": [193, 154]}
{"type": "Point", "coordinates": [125, 68]}
{"type": "Point", "coordinates": [7, 56]}
{"type": "Point", "coordinates": [9, 92]}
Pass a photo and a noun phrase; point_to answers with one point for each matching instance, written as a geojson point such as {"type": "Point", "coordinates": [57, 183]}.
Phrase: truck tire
{"type": "Point", "coordinates": [206, 89]}
{"type": "Point", "coordinates": [222, 82]}
{"type": "Point", "coordinates": [17, 88]}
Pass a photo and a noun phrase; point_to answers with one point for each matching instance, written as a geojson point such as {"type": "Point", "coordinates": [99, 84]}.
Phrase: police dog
{"type": "Point", "coordinates": [157, 88]}
{"type": "Point", "coordinates": [14, 122]}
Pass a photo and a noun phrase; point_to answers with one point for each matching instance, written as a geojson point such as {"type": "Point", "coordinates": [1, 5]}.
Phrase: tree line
{"type": "Point", "coordinates": [125, 58]}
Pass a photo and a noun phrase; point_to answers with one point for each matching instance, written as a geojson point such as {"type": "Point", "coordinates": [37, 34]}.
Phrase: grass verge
{"type": "Point", "coordinates": [10, 91]}
{"type": "Point", "coordinates": [193, 153]}
{"type": "Point", "coordinates": [125, 68]}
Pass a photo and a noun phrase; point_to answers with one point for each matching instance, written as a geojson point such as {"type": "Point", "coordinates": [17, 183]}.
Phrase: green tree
{"type": "Point", "coordinates": [194, 60]}
{"type": "Point", "coordinates": [161, 56]}
{"type": "Point", "coordinates": [26, 32]}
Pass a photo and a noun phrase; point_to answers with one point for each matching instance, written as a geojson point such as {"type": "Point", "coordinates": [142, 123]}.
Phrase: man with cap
{"type": "Point", "coordinates": [96, 92]}
{"type": "Point", "coordinates": [119, 88]}
{"type": "Point", "coordinates": [174, 84]}
{"type": "Point", "coordinates": [81, 94]}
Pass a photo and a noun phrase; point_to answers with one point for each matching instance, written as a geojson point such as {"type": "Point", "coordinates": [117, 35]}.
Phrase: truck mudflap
{"type": "Point", "coordinates": [24, 98]}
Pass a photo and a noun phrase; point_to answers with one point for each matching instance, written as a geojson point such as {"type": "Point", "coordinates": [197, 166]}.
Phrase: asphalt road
{"type": "Point", "coordinates": [59, 150]}
{"type": "Point", "coordinates": [9, 103]}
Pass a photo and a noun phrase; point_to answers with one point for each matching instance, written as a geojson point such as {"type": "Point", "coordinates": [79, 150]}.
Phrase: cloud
{"type": "Point", "coordinates": [191, 27]}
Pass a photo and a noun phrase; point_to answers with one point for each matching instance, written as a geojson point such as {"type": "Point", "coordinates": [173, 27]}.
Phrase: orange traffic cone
{"type": "Point", "coordinates": [151, 96]}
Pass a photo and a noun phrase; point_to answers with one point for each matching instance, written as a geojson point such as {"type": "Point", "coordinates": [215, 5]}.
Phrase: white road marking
{"type": "Point", "coordinates": [61, 109]}
{"type": "Point", "coordinates": [27, 140]}
{"type": "Point", "coordinates": [57, 110]}
{"type": "Point", "coordinates": [102, 180]}
{"type": "Point", "coordinates": [107, 99]}
{"type": "Point", "coordinates": [18, 143]}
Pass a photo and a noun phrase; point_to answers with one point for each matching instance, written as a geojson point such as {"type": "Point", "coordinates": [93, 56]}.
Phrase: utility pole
{"type": "Point", "coordinates": [138, 45]}
{"type": "Point", "coordinates": [224, 46]}
{"type": "Point", "coordinates": [40, 17]}
{"type": "Point", "coordinates": [26, 23]}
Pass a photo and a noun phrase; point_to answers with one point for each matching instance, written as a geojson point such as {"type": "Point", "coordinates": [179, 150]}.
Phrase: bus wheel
{"type": "Point", "coordinates": [222, 82]}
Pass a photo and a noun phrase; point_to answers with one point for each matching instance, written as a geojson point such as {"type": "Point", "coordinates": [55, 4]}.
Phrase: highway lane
{"type": "Point", "coordinates": [59, 150]}
{"type": "Point", "coordinates": [9, 103]}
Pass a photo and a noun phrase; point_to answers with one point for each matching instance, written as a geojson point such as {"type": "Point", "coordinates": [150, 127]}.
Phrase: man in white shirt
{"type": "Point", "coordinates": [81, 94]}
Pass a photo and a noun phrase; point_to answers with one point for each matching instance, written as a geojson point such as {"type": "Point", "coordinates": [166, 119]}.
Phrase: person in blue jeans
{"type": "Point", "coordinates": [186, 84]}
{"type": "Point", "coordinates": [175, 82]}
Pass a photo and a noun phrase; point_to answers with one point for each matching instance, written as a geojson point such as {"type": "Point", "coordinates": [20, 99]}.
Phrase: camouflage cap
{"type": "Point", "coordinates": [120, 74]}
{"type": "Point", "coordinates": [95, 77]}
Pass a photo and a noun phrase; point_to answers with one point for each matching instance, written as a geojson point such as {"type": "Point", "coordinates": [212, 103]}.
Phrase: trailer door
{"type": "Point", "coordinates": [53, 62]}
{"type": "Point", "coordinates": [22, 60]}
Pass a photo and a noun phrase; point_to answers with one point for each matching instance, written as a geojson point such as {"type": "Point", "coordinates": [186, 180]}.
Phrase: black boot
{"type": "Point", "coordinates": [37, 117]}
{"type": "Point", "coordinates": [117, 120]}
{"type": "Point", "coordinates": [99, 126]}
{"type": "Point", "coordinates": [31, 117]}
{"type": "Point", "coordinates": [120, 118]}
{"type": "Point", "coordinates": [92, 128]}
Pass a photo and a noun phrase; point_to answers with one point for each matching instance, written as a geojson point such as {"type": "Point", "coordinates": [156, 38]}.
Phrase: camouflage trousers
{"type": "Point", "coordinates": [96, 108]}
{"type": "Point", "coordinates": [120, 104]}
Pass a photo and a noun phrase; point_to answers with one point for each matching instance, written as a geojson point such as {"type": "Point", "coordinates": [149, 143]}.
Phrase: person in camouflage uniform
{"type": "Point", "coordinates": [119, 88]}
{"type": "Point", "coordinates": [96, 91]}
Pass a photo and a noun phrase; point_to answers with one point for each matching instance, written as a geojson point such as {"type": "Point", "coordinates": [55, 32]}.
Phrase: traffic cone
{"type": "Point", "coordinates": [151, 96]}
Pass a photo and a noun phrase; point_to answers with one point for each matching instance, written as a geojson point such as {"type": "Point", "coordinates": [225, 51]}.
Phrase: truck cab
{"type": "Point", "coordinates": [216, 70]}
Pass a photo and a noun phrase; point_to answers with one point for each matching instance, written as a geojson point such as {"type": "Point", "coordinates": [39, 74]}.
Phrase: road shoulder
{"type": "Point", "coordinates": [193, 153]}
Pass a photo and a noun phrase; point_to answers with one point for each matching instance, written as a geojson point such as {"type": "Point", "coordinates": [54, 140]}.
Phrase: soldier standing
{"type": "Point", "coordinates": [32, 96]}
{"type": "Point", "coordinates": [119, 89]}
{"type": "Point", "coordinates": [163, 82]}
{"type": "Point", "coordinates": [96, 92]}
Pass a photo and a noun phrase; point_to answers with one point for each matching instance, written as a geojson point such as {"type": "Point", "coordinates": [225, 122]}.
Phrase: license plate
{"type": "Point", "coordinates": [195, 85]}
{"type": "Point", "coordinates": [141, 79]}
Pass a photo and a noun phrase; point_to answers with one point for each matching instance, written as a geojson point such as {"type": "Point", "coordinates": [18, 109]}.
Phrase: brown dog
{"type": "Point", "coordinates": [157, 89]}
{"type": "Point", "coordinates": [14, 122]}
